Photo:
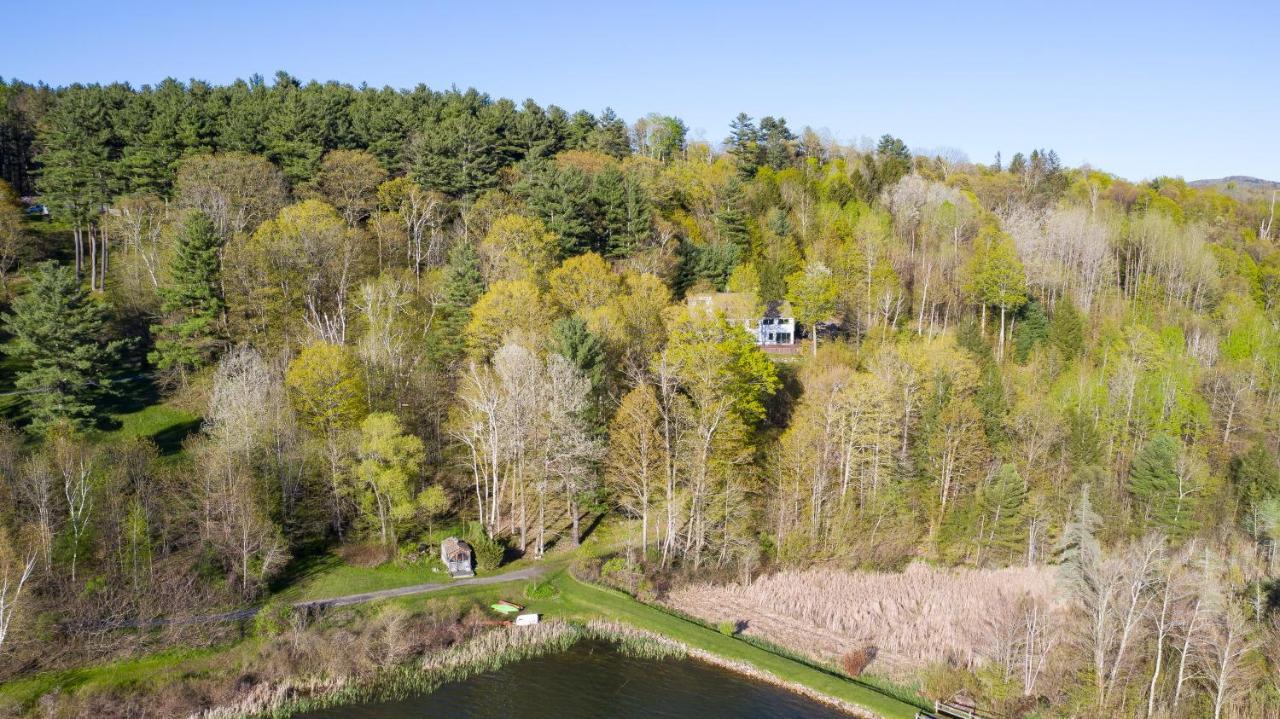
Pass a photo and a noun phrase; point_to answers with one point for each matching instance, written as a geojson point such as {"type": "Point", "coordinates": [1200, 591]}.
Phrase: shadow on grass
{"type": "Point", "coordinates": [169, 440]}
{"type": "Point", "coordinates": [309, 563]}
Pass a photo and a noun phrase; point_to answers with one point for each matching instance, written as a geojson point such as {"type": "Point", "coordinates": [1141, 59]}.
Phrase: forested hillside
{"type": "Point", "coordinates": [396, 309]}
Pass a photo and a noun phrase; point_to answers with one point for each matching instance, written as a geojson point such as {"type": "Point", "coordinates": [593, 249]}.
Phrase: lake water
{"type": "Point", "coordinates": [591, 681]}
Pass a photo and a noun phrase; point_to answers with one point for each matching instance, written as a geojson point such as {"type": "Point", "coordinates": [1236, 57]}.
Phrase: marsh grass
{"type": "Point", "coordinates": [486, 652]}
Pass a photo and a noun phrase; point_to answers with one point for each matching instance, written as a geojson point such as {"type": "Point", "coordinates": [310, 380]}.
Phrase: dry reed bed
{"type": "Point", "coordinates": [922, 615]}
{"type": "Point", "coordinates": [486, 652]}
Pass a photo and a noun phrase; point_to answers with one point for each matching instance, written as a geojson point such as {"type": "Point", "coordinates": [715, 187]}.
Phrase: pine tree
{"type": "Point", "coordinates": [1256, 476]}
{"type": "Point", "coordinates": [1000, 503]}
{"type": "Point", "coordinates": [463, 285]}
{"type": "Point", "coordinates": [777, 142]}
{"type": "Point", "coordinates": [577, 344]}
{"type": "Point", "coordinates": [1163, 491]}
{"type": "Point", "coordinates": [610, 135]}
{"type": "Point", "coordinates": [639, 219]}
{"type": "Point", "coordinates": [731, 221]}
{"type": "Point", "coordinates": [190, 334]}
{"type": "Point", "coordinates": [609, 203]}
{"type": "Point", "coordinates": [1031, 332]}
{"type": "Point", "coordinates": [562, 200]}
{"type": "Point", "coordinates": [79, 168]}
{"type": "Point", "coordinates": [1066, 330]}
{"type": "Point", "coordinates": [58, 331]}
{"type": "Point", "coordinates": [743, 144]}
{"type": "Point", "coordinates": [1080, 553]}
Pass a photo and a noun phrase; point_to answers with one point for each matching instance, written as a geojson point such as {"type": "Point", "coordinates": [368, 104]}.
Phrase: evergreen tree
{"type": "Point", "coordinates": [1031, 332]}
{"type": "Point", "coordinates": [893, 160]}
{"type": "Point", "coordinates": [1164, 494]}
{"type": "Point", "coordinates": [1080, 553]}
{"type": "Point", "coordinates": [459, 155]}
{"type": "Point", "coordinates": [731, 221]}
{"type": "Point", "coordinates": [463, 285]}
{"type": "Point", "coordinates": [743, 144]}
{"type": "Point", "coordinates": [639, 219]}
{"type": "Point", "coordinates": [1000, 502]}
{"type": "Point", "coordinates": [969, 336]}
{"type": "Point", "coordinates": [992, 402]}
{"type": "Point", "coordinates": [189, 336]}
{"type": "Point", "coordinates": [610, 135]}
{"type": "Point", "coordinates": [1066, 330]}
{"type": "Point", "coordinates": [777, 142]}
{"type": "Point", "coordinates": [58, 332]}
{"type": "Point", "coordinates": [609, 201]}
{"type": "Point", "coordinates": [562, 200]}
{"type": "Point", "coordinates": [78, 163]}
{"type": "Point", "coordinates": [1256, 476]}
{"type": "Point", "coordinates": [712, 262]}
{"type": "Point", "coordinates": [585, 350]}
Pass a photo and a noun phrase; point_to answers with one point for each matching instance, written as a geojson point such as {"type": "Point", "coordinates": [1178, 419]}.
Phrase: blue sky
{"type": "Point", "coordinates": [1137, 88]}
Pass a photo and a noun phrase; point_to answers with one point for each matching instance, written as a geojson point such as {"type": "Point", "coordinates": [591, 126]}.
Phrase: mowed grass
{"type": "Point", "coordinates": [558, 596]}
{"type": "Point", "coordinates": [588, 601]}
{"type": "Point", "coordinates": [327, 576]}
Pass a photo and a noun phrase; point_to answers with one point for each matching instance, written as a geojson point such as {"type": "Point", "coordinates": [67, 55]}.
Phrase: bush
{"type": "Point", "coordinates": [274, 619]}
{"type": "Point", "coordinates": [855, 661]}
{"type": "Point", "coordinates": [727, 628]}
{"type": "Point", "coordinates": [488, 550]}
{"type": "Point", "coordinates": [543, 589]}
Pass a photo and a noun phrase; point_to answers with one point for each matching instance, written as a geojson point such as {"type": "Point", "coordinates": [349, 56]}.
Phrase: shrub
{"type": "Point", "coordinates": [541, 590]}
{"type": "Point", "coordinates": [727, 628]}
{"type": "Point", "coordinates": [273, 619]}
{"type": "Point", "coordinates": [488, 550]}
{"type": "Point", "coordinates": [855, 661]}
{"type": "Point", "coordinates": [613, 566]}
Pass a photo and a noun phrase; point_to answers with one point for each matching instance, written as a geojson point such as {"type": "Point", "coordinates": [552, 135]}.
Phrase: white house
{"type": "Point", "coordinates": [773, 325]}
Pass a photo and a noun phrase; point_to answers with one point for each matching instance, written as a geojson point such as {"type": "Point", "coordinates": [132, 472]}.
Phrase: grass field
{"type": "Point", "coordinates": [559, 596]}
{"type": "Point", "coordinates": [163, 424]}
{"type": "Point", "coordinates": [589, 601]}
{"type": "Point", "coordinates": [152, 669]}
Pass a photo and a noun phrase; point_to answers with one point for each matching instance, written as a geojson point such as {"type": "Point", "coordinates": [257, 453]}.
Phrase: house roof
{"type": "Point", "coordinates": [739, 305]}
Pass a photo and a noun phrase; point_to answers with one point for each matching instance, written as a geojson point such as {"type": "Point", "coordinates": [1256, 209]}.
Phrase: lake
{"type": "Point", "coordinates": [593, 680]}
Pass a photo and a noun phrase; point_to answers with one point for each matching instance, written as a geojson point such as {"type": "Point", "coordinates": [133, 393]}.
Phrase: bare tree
{"type": "Point", "coordinates": [1221, 660]}
{"type": "Point", "coordinates": [15, 570]}
{"type": "Point", "coordinates": [74, 463]}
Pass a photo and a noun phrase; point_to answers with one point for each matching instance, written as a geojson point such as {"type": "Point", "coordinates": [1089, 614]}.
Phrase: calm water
{"type": "Point", "coordinates": [589, 681]}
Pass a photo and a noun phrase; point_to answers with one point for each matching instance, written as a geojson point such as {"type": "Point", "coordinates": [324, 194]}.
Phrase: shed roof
{"type": "Point", "coordinates": [455, 550]}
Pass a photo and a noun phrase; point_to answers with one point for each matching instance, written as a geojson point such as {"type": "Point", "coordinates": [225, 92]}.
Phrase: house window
{"type": "Point", "coordinates": [784, 338]}
{"type": "Point", "coordinates": [766, 322]}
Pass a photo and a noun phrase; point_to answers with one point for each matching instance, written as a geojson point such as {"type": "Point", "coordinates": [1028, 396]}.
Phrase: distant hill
{"type": "Point", "coordinates": [1243, 183]}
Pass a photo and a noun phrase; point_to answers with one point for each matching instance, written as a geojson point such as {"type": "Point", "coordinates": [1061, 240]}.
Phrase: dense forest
{"type": "Point", "coordinates": [392, 309]}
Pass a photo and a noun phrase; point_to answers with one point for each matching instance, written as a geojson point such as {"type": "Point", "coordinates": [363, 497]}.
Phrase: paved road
{"type": "Point", "coordinates": [343, 601]}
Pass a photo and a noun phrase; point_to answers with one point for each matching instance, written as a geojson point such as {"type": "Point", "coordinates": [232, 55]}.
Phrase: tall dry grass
{"type": "Point", "coordinates": [913, 618]}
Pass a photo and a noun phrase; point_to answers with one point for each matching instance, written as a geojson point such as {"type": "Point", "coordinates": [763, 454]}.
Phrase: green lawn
{"type": "Point", "coordinates": [587, 601]}
{"type": "Point", "coordinates": [571, 600]}
{"type": "Point", "coordinates": [161, 423]}
{"type": "Point", "coordinates": [328, 576]}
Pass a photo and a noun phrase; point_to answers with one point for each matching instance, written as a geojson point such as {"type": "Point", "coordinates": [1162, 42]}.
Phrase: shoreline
{"type": "Point", "coordinates": [489, 652]}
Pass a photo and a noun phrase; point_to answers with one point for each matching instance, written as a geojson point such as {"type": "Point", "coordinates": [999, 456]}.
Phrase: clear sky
{"type": "Point", "coordinates": [1135, 87]}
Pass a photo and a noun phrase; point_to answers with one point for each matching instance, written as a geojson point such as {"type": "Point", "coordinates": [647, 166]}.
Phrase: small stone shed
{"type": "Point", "coordinates": [456, 555]}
